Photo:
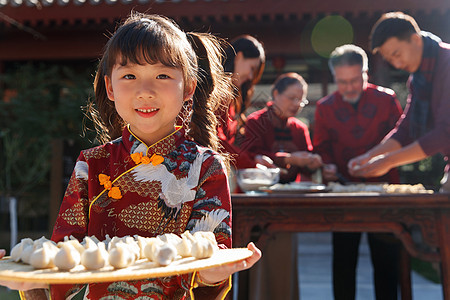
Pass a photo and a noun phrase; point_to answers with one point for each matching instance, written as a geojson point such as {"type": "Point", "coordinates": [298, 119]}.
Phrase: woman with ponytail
{"type": "Point", "coordinates": [245, 60]}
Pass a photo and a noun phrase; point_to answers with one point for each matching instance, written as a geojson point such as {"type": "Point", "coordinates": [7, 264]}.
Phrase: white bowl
{"type": "Point", "coordinates": [254, 178]}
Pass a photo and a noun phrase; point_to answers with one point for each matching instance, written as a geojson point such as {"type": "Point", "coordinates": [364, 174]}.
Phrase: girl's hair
{"type": "Point", "coordinates": [250, 48]}
{"type": "Point", "coordinates": [287, 79]}
{"type": "Point", "coordinates": [151, 39]}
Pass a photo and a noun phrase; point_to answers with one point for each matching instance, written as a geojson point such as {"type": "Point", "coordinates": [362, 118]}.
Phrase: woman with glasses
{"type": "Point", "coordinates": [276, 132]}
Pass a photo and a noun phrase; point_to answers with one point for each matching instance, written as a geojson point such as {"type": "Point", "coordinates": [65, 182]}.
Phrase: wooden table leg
{"type": "Point", "coordinates": [405, 274]}
{"type": "Point", "coordinates": [444, 250]}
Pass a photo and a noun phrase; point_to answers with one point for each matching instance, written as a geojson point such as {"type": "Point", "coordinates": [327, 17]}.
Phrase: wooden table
{"type": "Point", "coordinates": [427, 216]}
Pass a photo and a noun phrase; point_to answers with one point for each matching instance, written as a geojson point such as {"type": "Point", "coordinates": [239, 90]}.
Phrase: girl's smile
{"type": "Point", "coordinates": [147, 112]}
{"type": "Point", "coordinates": [148, 97]}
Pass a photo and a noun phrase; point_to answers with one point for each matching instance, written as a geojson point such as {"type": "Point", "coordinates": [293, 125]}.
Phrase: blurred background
{"type": "Point", "coordinates": [49, 51]}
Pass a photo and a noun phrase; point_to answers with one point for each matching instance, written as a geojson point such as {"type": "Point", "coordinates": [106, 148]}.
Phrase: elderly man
{"type": "Point", "coordinates": [348, 122]}
{"type": "Point", "coordinates": [424, 129]}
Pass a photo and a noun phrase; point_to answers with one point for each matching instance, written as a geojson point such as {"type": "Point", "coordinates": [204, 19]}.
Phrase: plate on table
{"type": "Point", "coordinates": [296, 187]}
{"type": "Point", "coordinates": [141, 269]}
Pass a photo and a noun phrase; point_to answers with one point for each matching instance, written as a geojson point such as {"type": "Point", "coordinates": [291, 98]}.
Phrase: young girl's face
{"type": "Point", "coordinates": [148, 97]}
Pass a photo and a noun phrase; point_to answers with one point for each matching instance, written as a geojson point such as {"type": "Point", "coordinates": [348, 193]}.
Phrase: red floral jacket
{"type": "Point", "coordinates": [127, 188]}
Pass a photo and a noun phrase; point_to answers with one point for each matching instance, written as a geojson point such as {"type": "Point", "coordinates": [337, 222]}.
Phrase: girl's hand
{"type": "Point", "coordinates": [23, 286]}
{"type": "Point", "coordinates": [217, 274]}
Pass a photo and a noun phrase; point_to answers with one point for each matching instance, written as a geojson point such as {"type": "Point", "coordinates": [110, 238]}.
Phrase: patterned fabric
{"type": "Point", "coordinates": [437, 137]}
{"type": "Point", "coordinates": [227, 133]}
{"type": "Point", "coordinates": [174, 196]}
{"type": "Point", "coordinates": [341, 132]}
{"type": "Point", "coordinates": [422, 85]}
{"type": "Point", "coordinates": [267, 134]}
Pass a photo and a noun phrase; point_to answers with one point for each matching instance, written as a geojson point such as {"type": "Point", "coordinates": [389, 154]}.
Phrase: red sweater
{"type": "Point", "coordinates": [267, 134]}
{"type": "Point", "coordinates": [227, 132]}
{"type": "Point", "coordinates": [341, 132]}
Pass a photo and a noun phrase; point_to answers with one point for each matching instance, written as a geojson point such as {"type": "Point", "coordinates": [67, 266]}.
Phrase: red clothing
{"type": "Point", "coordinates": [173, 196]}
{"type": "Point", "coordinates": [267, 134]}
{"type": "Point", "coordinates": [227, 133]}
{"type": "Point", "coordinates": [341, 132]}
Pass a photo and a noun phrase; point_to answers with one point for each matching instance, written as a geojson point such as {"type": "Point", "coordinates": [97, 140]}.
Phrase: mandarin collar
{"type": "Point", "coordinates": [276, 120]}
{"type": "Point", "coordinates": [162, 147]}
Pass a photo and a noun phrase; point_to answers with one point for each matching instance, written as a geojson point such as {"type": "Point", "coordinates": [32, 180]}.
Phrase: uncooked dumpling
{"type": "Point", "coordinates": [67, 257]}
{"type": "Point", "coordinates": [43, 257]}
{"type": "Point", "coordinates": [207, 235]}
{"type": "Point", "coordinates": [203, 248]}
{"type": "Point", "coordinates": [164, 254]}
{"type": "Point", "coordinates": [148, 249]}
{"type": "Point", "coordinates": [95, 258]}
{"type": "Point", "coordinates": [26, 253]}
{"type": "Point", "coordinates": [75, 243]}
{"type": "Point", "coordinates": [121, 256]}
{"type": "Point", "coordinates": [184, 246]}
{"type": "Point", "coordinates": [16, 251]}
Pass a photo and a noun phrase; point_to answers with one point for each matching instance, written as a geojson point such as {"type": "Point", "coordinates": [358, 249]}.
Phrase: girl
{"type": "Point", "coordinates": [154, 177]}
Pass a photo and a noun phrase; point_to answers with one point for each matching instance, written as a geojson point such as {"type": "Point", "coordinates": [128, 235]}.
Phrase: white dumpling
{"type": "Point", "coordinates": [39, 242]}
{"type": "Point", "coordinates": [133, 246]}
{"type": "Point", "coordinates": [184, 246]}
{"type": "Point", "coordinates": [75, 243]}
{"type": "Point", "coordinates": [43, 257]}
{"type": "Point", "coordinates": [164, 254]}
{"type": "Point", "coordinates": [121, 256]}
{"type": "Point", "coordinates": [26, 253]}
{"type": "Point", "coordinates": [148, 249]}
{"type": "Point", "coordinates": [67, 257]}
{"type": "Point", "coordinates": [89, 242]}
{"type": "Point", "coordinates": [142, 242]}
{"type": "Point", "coordinates": [203, 248]}
{"type": "Point", "coordinates": [95, 258]}
{"type": "Point", "coordinates": [16, 251]}
{"type": "Point", "coordinates": [116, 240]}
{"type": "Point", "coordinates": [170, 238]}
{"type": "Point", "coordinates": [207, 235]}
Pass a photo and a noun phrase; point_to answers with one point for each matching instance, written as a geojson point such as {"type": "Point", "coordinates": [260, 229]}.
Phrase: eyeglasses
{"type": "Point", "coordinates": [354, 81]}
{"type": "Point", "coordinates": [303, 102]}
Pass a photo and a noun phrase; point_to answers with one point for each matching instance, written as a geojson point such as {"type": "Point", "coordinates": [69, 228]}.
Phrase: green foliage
{"type": "Point", "coordinates": [45, 104]}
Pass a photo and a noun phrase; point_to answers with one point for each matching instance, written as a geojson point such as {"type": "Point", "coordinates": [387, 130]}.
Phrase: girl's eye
{"type": "Point", "coordinates": [162, 76]}
{"type": "Point", "coordinates": [129, 76]}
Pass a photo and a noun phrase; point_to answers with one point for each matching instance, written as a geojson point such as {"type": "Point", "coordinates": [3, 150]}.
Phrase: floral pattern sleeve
{"type": "Point", "coordinates": [73, 215]}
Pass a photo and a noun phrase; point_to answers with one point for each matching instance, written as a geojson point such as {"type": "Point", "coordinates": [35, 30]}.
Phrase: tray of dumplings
{"type": "Point", "coordinates": [114, 259]}
{"type": "Point", "coordinates": [296, 188]}
{"type": "Point", "coordinates": [381, 188]}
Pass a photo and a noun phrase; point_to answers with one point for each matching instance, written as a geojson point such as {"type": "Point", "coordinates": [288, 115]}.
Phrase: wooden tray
{"type": "Point", "coordinates": [12, 271]}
